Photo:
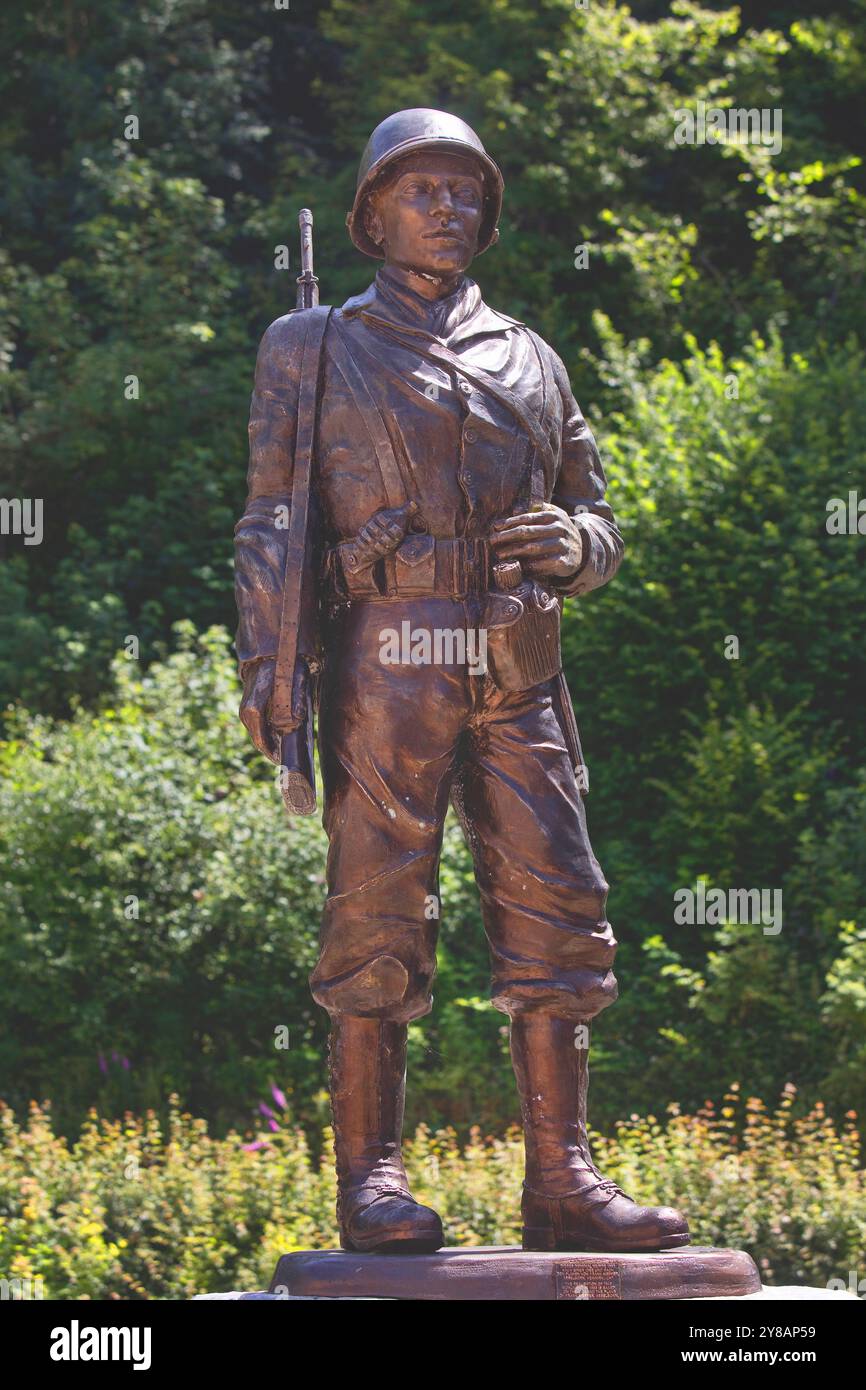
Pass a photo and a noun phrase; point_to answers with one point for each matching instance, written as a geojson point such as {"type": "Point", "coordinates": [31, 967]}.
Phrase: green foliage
{"type": "Point", "coordinates": [718, 766]}
{"type": "Point", "coordinates": [134, 1209]}
{"type": "Point", "coordinates": [155, 905]}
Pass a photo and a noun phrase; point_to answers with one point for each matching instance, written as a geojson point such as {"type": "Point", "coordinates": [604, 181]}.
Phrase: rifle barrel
{"type": "Point", "coordinates": [308, 285]}
{"type": "Point", "coordinates": [305, 222]}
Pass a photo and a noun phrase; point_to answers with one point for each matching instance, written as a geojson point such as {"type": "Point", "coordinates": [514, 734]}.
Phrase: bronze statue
{"type": "Point", "coordinates": [419, 466]}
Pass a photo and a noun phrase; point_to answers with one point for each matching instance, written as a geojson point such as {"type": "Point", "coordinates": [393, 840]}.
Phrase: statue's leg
{"type": "Point", "coordinates": [367, 1072]}
{"type": "Point", "coordinates": [389, 735]}
{"type": "Point", "coordinates": [567, 1203]}
{"type": "Point", "coordinates": [543, 898]}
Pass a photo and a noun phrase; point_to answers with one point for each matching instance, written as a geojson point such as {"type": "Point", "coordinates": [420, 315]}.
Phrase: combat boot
{"type": "Point", "coordinates": [376, 1212]}
{"type": "Point", "coordinates": [567, 1203]}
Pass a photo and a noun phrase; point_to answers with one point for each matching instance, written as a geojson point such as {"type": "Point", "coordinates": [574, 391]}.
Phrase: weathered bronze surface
{"type": "Point", "coordinates": [501, 1272]}
{"type": "Point", "coordinates": [439, 480]}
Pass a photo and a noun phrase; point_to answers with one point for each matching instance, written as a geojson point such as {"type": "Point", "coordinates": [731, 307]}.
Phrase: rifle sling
{"type": "Point", "coordinates": [283, 717]}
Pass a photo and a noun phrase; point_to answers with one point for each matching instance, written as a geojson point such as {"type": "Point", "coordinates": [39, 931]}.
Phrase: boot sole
{"type": "Point", "coordinates": [536, 1239]}
{"type": "Point", "coordinates": [395, 1245]}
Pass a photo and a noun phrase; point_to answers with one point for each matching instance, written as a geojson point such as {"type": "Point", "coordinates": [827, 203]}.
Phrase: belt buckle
{"type": "Point", "coordinates": [475, 571]}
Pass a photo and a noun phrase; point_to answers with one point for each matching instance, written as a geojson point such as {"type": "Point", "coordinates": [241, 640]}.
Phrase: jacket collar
{"type": "Point", "coordinates": [454, 318]}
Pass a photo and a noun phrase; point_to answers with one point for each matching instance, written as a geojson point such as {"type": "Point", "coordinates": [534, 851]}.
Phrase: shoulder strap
{"type": "Point", "coordinates": [547, 389]}
{"type": "Point", "coordinates": [297, 548]}
{"type": "Point", "coordinates": [392, 477]}
{"type": "Point", "coordinates": [437, 352]}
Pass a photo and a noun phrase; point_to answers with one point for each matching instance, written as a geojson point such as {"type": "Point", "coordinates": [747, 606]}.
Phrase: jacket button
{"type": "Point", "coordinates": [466, 388]}
{"type": "Point", "coordinates": [470, 436]}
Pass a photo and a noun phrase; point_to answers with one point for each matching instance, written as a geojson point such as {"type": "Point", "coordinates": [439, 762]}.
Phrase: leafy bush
{"type": "Point", "coordinates": [155, 904]}
{"type": "Point", "coordinates": [747, 771]}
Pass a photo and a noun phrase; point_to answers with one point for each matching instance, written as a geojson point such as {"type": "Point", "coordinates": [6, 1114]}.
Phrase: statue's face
{"type": "Point", "coordinates": [427, 218]}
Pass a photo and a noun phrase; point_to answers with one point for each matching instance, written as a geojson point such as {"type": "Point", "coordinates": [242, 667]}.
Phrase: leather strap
{"type": "Point", "coordinates": [436, 352]}
{"type": "Point", "coordinates": [548, 386]}
{"type": "Point", "coordinates": [283, 718]}
{"type": "Point", "coordinates": [392, 477]}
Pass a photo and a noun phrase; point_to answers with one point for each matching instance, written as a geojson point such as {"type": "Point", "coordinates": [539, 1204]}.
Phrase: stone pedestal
{"type": "Point", "coordinates": [491, 1272]}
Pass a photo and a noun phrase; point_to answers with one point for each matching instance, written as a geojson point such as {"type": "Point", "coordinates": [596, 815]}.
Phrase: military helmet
{"type": "Point", "coordinates": [422, 128]}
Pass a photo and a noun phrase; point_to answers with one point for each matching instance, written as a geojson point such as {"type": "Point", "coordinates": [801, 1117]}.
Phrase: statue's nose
{"type": "Point", "coordinates": [442, 204]}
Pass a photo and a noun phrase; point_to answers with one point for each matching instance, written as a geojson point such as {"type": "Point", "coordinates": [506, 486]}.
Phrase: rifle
{"type": "Point", "coordinates": [292, 704]}
{"type": "Point", "coordinates": [308, 284]}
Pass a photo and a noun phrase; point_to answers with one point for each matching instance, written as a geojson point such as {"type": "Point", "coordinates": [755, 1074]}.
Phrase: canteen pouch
{"type": "Point", "coordinates": [523, 645]}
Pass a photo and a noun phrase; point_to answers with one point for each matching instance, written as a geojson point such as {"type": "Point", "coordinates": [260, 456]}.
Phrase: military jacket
{"type": "Point", "coordinates": [466, 455]}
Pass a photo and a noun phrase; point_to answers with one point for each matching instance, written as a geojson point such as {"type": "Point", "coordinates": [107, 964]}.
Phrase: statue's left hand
{"type": "Point", "coordinates": [548, 542]}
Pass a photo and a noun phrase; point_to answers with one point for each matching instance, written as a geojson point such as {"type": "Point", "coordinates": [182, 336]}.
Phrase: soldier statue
{"type": "Point", "coordinates": [419, 465]}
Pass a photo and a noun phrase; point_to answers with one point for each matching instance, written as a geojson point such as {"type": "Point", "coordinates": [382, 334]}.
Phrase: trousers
{"type": "Point", "coordinates": [399, 740]}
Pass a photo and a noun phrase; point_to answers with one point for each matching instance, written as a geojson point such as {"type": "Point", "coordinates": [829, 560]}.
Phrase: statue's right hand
{"type": "Point", "coordinates": [384, 531]}
{"type": "Point", "coordinates": [255, 705]}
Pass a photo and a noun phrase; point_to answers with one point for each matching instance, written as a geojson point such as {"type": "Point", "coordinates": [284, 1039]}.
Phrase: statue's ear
{"type": "Point", "coordinates": [373, 224]}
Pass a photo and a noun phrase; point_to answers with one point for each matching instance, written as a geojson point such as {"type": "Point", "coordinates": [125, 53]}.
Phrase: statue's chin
{"type": "Point", "coordinates": [434, 268]}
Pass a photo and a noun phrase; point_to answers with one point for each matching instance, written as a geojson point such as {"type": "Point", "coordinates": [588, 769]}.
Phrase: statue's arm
{"type": "Point", "coordinates": [261, 535]}
{"type": "Point", "coordinates": [580, 491]}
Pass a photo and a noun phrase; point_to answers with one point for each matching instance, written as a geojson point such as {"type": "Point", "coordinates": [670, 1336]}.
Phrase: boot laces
{"type": "Point", "coordinates": [607, 1185]}
{"type": "Point", "coordinates": [381, 1171]}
